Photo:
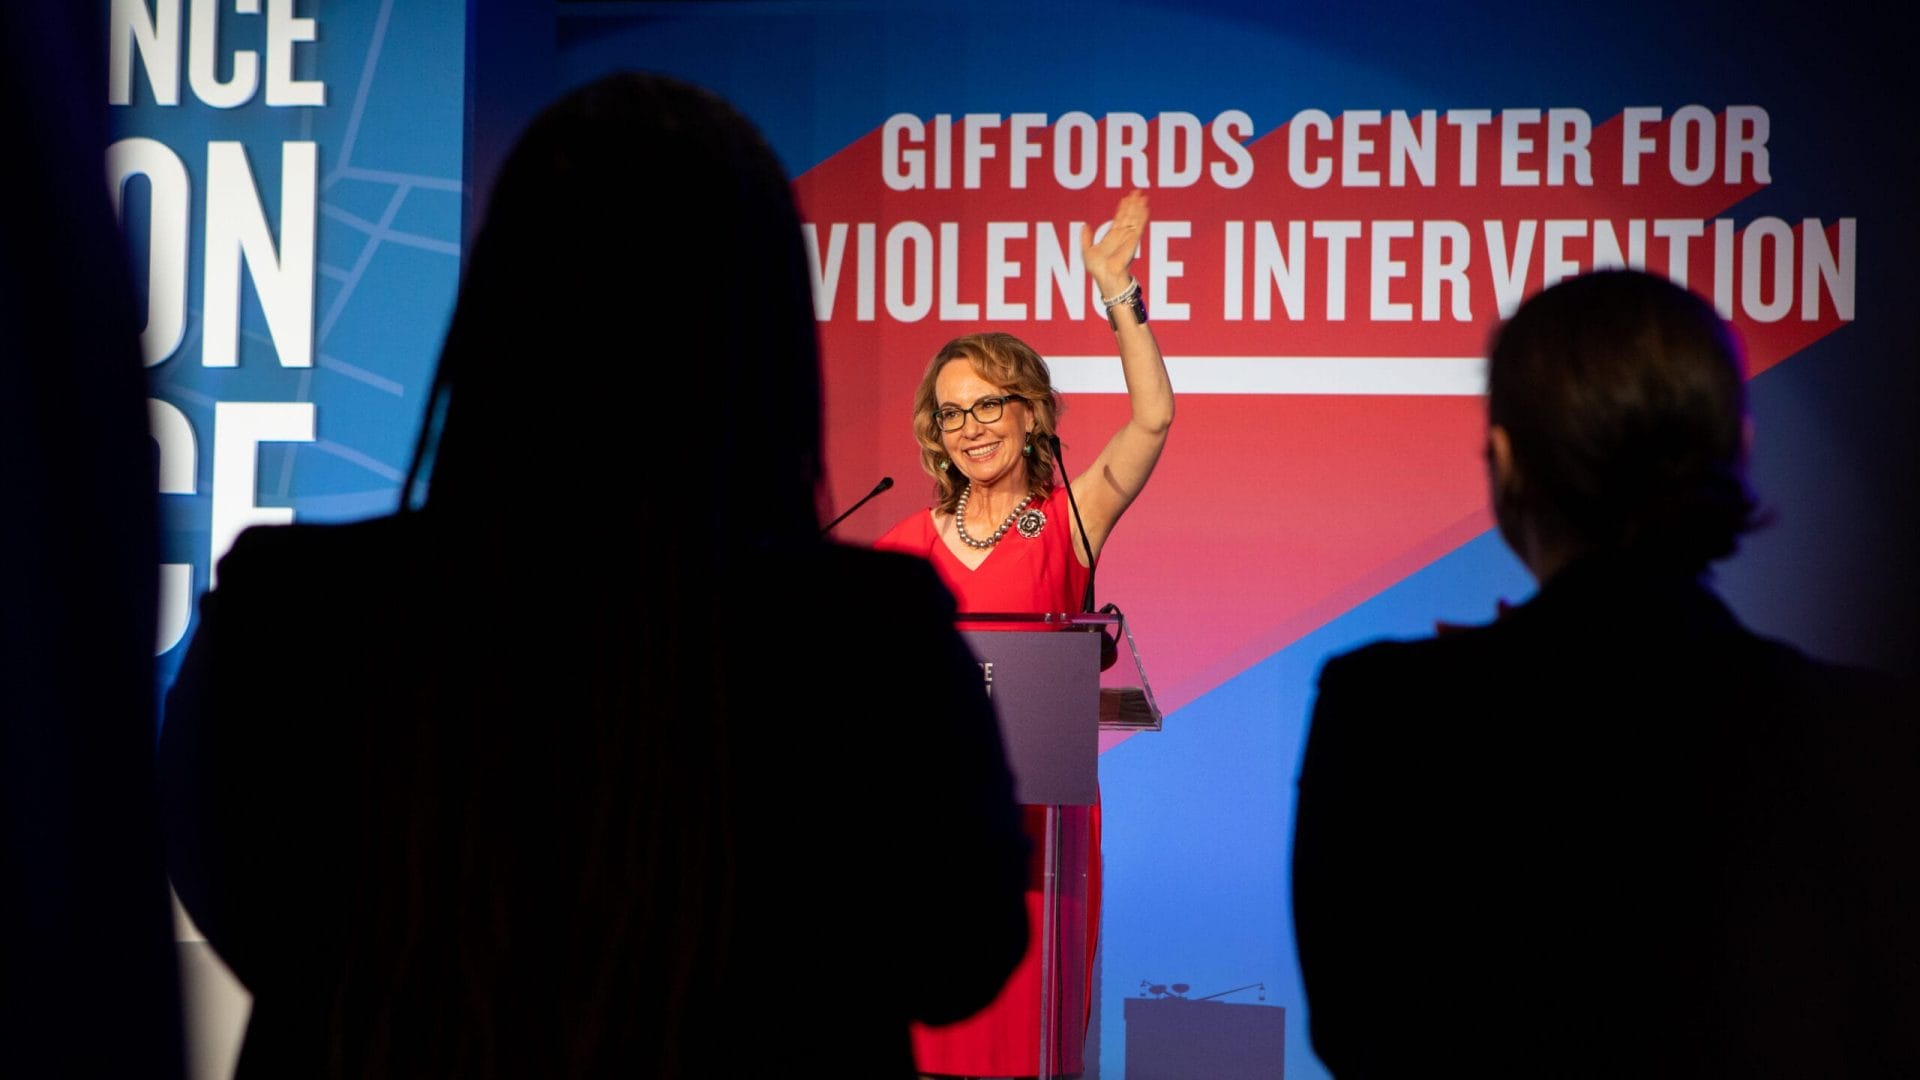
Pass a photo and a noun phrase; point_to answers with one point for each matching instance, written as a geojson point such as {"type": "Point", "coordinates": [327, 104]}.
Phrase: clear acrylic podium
{"type": "Point", "coordinates": [1042, 673]}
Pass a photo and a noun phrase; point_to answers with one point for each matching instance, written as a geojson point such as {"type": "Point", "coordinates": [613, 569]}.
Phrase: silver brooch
{"type": "Point", "coordinates": [1031, 523]}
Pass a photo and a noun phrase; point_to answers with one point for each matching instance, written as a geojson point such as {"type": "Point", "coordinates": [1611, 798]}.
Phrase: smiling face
{"type": "Point", "coordinates": [989, 455]}
{"type": "Point", "coordinates": [1001, 364]}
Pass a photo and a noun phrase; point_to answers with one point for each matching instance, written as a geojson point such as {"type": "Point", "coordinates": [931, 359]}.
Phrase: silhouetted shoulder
{"type": "Point", "coordinates": [315, 558]}
{"type": "Point", "coordinates": [1615, 779]}
{"type": "Point", "coordinates": [888, 578]}
{"type": "Point", "coordinates": [308, 633]}
{"type": "Point", "coordinates": [880, 755]}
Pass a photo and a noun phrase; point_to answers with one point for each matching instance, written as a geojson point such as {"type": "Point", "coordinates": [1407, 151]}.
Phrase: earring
{"type": "Point", "coordinates": [1029, 448]}
{"type": "Point", "coordinates": [945, 464]}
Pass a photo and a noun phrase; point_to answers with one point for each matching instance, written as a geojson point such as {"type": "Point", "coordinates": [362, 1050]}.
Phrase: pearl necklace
{"type": "Point", "coordinates": [960, 520]}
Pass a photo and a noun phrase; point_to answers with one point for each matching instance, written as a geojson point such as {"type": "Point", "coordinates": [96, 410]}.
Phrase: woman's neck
{"type": "Point", "coordinates": [990, 504]}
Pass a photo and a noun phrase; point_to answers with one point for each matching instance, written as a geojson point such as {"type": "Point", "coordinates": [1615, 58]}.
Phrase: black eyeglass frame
{"type": "Point", "coordinates": [958, 414]}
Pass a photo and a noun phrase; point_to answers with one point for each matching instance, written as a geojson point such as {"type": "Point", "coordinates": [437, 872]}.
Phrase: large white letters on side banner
{"type": "Point", "coordinates": [232, 53]}
{"type": "Point", "coordinates": [236, 230]}
{"type": "Point", "coordinates": [176, 605]}
{"type": "Point", "coordinates": [203, 56]}
{"type": "Point", "coordinates": [166, 241]}
{"type": "Point", "coordinates": [153, 34]}
{"type": "Point", "coordinates": [239, 427]}
{"type": "Point", "coordinates": [284, 31]}
{"type": "Point", "coordinates": [178, 460]}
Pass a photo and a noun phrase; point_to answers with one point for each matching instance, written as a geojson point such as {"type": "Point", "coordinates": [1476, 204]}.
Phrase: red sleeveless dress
{"type": "Point", "coordinates": [1037, 574]}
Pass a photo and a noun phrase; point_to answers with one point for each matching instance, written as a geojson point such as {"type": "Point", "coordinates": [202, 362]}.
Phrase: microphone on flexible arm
{"type": "Point", "coordinates": [1109, 648]}
{"type": "Point", "coordinates": [885, 483]}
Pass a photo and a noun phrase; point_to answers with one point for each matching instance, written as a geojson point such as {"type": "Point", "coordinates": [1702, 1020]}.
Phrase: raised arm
{"type": "Point", "coordinates": [1110, 484]}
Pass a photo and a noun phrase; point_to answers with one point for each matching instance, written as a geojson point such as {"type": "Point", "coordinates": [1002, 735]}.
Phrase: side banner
{"type": "Point", "coordinates": [289, 179]}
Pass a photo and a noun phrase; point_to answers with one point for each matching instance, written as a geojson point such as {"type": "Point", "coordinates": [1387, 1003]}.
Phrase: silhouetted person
{"type": "Point", "coordinates": [1613, 833]}
{"type": "Point", "coordinates": [88, 981]}
{"type": "Point", "coordinates": [599, 763]}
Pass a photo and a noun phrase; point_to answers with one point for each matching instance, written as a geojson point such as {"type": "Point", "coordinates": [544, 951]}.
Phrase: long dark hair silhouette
{"type": "Point", "coordinates": [625, 415]}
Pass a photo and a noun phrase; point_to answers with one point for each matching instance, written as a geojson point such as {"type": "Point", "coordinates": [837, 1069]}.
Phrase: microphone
{"type": "Point", "coordinates": [1109, 648]}
{"type": "Point", "coordinates": [885, 483]}
{"type": "Point", "coordinates": [1086, 602]}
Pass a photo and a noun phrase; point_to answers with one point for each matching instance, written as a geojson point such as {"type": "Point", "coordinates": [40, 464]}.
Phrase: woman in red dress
{"type": "Point", "coordinates": [1003, 537]}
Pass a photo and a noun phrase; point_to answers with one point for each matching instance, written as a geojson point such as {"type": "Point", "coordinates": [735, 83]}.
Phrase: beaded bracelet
{"type": "Point", "coordinates": [1132, 297]}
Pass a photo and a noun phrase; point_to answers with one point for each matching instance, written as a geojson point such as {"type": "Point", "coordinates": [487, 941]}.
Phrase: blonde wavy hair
{"type": "Point", "coordinates": [1013, 366]}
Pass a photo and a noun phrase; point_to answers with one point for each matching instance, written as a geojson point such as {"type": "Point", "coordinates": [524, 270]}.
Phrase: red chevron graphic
{"type": "Point", "coordinates": [1272, 513]}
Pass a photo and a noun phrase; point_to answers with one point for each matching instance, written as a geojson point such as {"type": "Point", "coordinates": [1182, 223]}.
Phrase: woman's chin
{"type": "Point", "coordinates": [997, 475]}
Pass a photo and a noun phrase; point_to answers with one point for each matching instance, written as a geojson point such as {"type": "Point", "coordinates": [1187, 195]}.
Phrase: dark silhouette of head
{"type": "Point", "coordinates": [639, 274]}
{"type": "Point", "coordinates": [1616, 405]}
{"type": "Point", "coordinates": [550, 887]}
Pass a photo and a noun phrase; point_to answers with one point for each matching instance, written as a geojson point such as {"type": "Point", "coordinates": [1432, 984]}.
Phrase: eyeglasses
{"type": "Point", "coordinates": [986, 410]}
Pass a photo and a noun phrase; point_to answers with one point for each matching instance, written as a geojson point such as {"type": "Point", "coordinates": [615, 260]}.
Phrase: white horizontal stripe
{"type": "Point", "coordinates": [1447, 376]}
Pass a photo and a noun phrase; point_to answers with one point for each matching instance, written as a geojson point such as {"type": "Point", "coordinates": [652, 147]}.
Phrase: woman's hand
{"type": "Point", "coordinates": [1107, 261]}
